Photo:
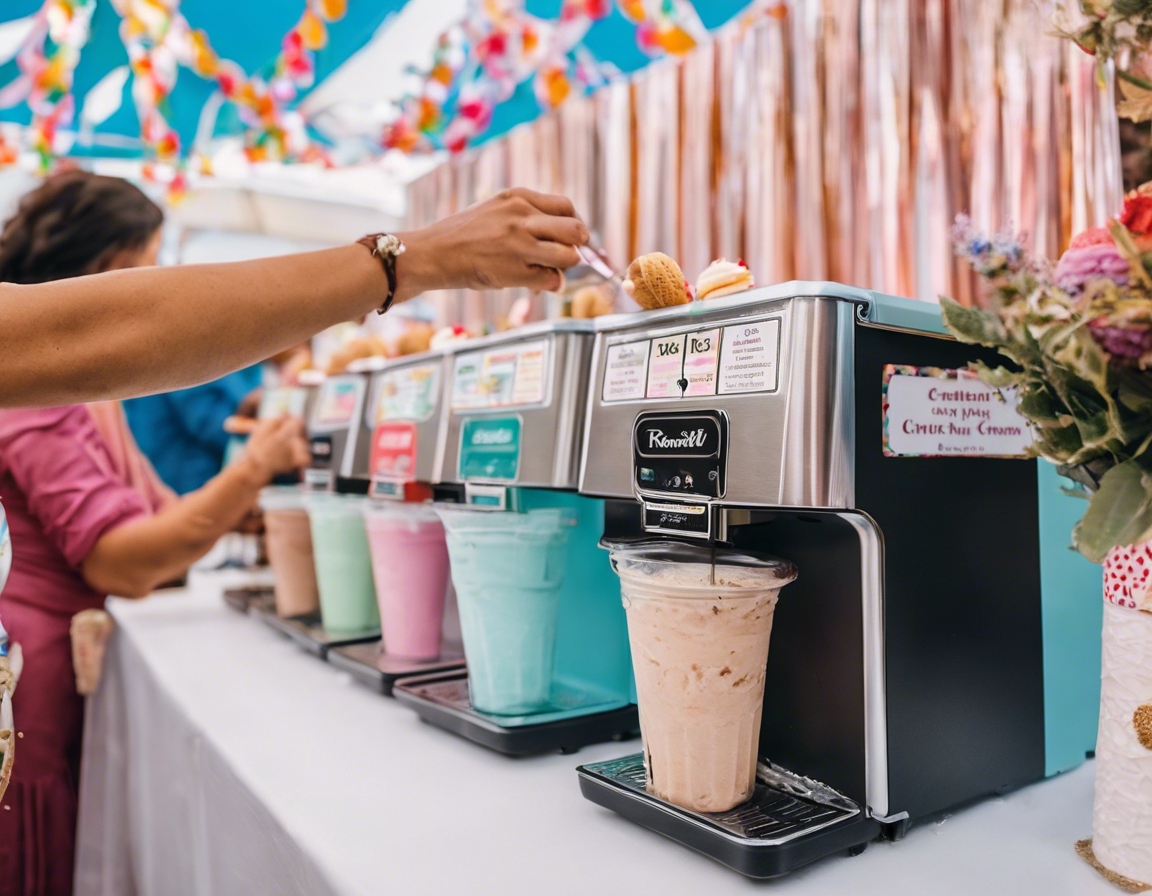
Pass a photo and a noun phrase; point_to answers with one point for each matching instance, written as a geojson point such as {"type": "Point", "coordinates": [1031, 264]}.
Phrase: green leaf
{"type": "Point", "coordinates": [997, 377]}
{"type": "Point", "coordinates": [1120, 513]}
{"type": "Point", "coordinates": [971, 325]}
{"type": "Point", "coordinates": [1059, 444]}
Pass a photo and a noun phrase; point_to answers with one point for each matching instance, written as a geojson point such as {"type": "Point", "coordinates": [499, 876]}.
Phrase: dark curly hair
{"type": "Point", "coordinates": [73, 224]}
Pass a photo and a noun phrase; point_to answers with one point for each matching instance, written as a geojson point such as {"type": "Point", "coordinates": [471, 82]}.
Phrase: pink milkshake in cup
{"type": "Point", "coordinates": [699, 622]}
{"type": "Point", "coordinates": [410, 567]}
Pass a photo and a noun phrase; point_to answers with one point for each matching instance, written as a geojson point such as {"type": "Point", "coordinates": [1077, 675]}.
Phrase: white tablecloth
{"type": "Point", "coordinates": [221, 759]}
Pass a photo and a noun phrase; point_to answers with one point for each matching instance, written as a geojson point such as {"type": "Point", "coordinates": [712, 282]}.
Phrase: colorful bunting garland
{"type": "Point", "coordinates": [502, 46]}
{"type": "Point", "coordinates": [668, 26]}
{"type": "Point", "coordinates": [476, 65]}
{"type": "Point", "coordinates": [47, 60]}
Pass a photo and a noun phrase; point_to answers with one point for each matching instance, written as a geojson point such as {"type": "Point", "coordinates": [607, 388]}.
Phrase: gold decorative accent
{"type": "Point", "coordinates": [1084, 850]}
{"type": "Point", "coordinates": [1142, 722]}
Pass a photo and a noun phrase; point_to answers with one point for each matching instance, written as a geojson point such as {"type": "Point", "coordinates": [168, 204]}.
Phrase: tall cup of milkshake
{"type": "Point", "coordinates": [699, 623]}
{"type": "Point", "coordinates": [289, 540]}
{"type": "Point", "coordinates": [508, 569]}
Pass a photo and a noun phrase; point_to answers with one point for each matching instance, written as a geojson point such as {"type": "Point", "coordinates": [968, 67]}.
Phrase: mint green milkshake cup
{"type": "Point", "coordinates": [343, 564]}
{"type": "Point", "coordinates": [508, 569]}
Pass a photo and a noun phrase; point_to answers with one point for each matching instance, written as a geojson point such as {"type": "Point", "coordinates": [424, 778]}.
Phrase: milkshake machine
{"type": "Point", "coordinates": [827, 425]}
{"type": "Point", "coordinates": [510, 445]}
{"type": "Point", "coordinates": [335, 439]}
{"type": "Point", "coordinates": [390, 455]}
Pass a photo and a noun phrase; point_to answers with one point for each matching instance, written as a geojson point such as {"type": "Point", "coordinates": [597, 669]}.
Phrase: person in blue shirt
{"type": "Point", "coordinates": [182, 432]}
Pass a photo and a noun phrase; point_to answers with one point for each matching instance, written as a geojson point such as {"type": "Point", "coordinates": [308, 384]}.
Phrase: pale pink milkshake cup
{"type": "Point", "coordinates": [410, 567]}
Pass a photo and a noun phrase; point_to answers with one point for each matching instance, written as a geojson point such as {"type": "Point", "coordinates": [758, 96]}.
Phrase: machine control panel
{"type": "Point", "coordinates": [679, 465]}
{"type": "Point", "coordinates": [332, 423]}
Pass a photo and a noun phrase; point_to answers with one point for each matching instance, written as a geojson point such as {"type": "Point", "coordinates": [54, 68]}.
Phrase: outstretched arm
{"type": "Point", "coordinates": [145, 330]}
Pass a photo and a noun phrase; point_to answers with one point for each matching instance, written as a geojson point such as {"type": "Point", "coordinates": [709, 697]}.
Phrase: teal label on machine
{"type": "Point", "coordinates": [490, 449]}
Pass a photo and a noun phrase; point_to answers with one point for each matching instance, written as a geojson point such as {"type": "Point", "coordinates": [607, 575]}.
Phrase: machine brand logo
{"type": "Point", "coordinates": [492, 436]}
{"type": "Point", "coordinates": [657, 439]}
{"type": "Point", "coordinates": [689, 435]}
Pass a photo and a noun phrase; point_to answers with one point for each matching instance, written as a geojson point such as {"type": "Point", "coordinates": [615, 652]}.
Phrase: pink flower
{"type": "Point", "coordinates": [1099, 261]}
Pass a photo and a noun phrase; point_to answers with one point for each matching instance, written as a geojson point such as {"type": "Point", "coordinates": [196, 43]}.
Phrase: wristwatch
{"type": "Point", "coordinates": [387, 247]}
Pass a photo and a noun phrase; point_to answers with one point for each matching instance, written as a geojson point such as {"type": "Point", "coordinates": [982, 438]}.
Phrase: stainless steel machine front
{"type": "Point", "coordinates": [536, 379]}
{"type": "Point", "coordinates": [782, 363]}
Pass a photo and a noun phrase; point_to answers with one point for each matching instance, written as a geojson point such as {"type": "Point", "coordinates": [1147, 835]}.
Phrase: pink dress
{"type": "Point", "coordinates": [62, 489]}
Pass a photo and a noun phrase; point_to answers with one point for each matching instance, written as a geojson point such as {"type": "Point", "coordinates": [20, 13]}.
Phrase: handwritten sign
{"type": "Point", "coordinates": [930, 412]}
{"type": "Point", "coordinates": [666, 367]}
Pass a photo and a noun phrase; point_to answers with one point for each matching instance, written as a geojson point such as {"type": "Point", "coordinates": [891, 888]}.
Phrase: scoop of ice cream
{"type": "Point", "coordinates": [448, 335]}
{"type": "Point", "coordinates": [416, 339]}
{"type": "Point", "coordinates": [591, 301]}
{"type": "Point", "coordinates": [1099, 261]}
{"type": "Point", "coordinates": [656, 281]}
{"type": "Point", "coordinates": [723, 278]}
{"type": "Point", "coordinates": [367, 347]}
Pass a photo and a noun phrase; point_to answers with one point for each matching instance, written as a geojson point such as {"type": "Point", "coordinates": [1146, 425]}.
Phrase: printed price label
{"type": "Point", "coordinates": [290, 400]}
{"type": "Point", "coordinates": [748, 362]}
{"type": "Point", "coordinates": [339, 401]}
{"type": "Point", "coordinates": [626, 371]}
{"type": "Point", "coordinates": [408, 393]}
{"type": "Point", "coordinates": [666, 367]}
{"type": "Point", "coordinates": [701, 354]}
{"type": "Point", "coordinates": [931, 412]}
{"type": "Point", "coordinates": [528, 386]}
{"type": "Point", "coordinates": [505, 377]}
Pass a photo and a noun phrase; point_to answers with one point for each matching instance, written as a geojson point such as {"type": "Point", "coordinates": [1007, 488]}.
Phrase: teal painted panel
{"type": "Point", "coordinates": [1072, 614]}
{"type": "Point", "coordinates": [592, 633]}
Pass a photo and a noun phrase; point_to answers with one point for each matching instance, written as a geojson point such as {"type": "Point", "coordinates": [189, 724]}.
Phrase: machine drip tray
{"type": "Point", "coordinates": [309, 632]}
{"type": "Point", "coordinates": [790, 820]}
{"type": "Point", "coordinates": [251, 600]}
{"type": "Point", "coordinates": [369, 664]}
{"type": "Point", "coordinates": [577, 717]}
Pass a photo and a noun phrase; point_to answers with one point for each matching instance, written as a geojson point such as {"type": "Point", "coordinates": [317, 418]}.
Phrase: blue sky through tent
{"type": "Point", "coordinates": [247, 31]}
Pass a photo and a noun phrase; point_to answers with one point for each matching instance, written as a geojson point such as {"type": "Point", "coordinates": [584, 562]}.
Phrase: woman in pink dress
{"type": "Point", "coordinates": [88, 517]}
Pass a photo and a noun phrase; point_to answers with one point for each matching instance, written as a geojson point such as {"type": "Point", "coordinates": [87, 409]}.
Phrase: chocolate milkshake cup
{"type": "Point", "coordinates": [699, 634]}
{"type": "Point", "coordinates": [289, 539]}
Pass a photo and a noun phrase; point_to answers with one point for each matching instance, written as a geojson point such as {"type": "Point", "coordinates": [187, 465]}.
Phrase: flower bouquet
{"type": "Point", "coordinates": [1078, 337]}
{"type": "Point", "coordinates": [1120, 32]}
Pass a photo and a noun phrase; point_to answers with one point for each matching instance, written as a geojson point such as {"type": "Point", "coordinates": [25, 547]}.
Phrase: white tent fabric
{"type": "Point", "coordinates": [376, 76]}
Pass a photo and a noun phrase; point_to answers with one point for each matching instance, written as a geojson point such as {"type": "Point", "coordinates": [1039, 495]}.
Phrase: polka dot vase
{"type": "Point", "coordinates": [1121, 846]}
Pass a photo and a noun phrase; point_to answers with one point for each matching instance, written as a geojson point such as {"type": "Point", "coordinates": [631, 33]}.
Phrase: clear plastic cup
{"type": "Point", "coordinates": [699, 635]}
{"type": "Point", "coordinates": [410, 567]}
{"type": "Point", "coordinates": [508, 569]}
{"type": "Point", "coordinates": [289, 540]}
{"type": "Point", "coordinates": [343, 564]}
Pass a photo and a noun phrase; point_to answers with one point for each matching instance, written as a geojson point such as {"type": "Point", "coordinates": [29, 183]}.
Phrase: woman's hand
{"type": "Point", "coordinates": [276, 446]}
{"type": "Point", "coordinates": [517, 238]}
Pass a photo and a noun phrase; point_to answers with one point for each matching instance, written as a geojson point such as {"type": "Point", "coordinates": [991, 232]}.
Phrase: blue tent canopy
{"type": "Point", "coordinates": [248, 32]}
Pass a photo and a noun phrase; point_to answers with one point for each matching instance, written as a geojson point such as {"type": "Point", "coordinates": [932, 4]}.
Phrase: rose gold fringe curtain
{"type": "Point", "coordinates": [831, 139]}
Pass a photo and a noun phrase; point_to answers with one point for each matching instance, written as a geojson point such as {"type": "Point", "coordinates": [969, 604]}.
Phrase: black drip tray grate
{"type": "Point", "coordinates": [576, 717]}
{"type": "Point", "coordinates": [773, 815]}
{"type": "Point", "coordinates": [789, 821]}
